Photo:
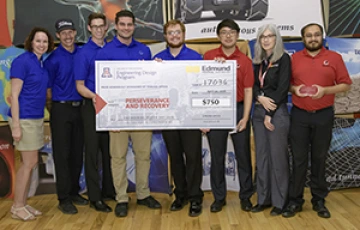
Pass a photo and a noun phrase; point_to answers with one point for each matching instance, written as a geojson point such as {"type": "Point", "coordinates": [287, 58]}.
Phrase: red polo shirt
{"type": "Point", "coordinates": [244, 73]}
{"type": "Point", "coordinates": [325, 69]}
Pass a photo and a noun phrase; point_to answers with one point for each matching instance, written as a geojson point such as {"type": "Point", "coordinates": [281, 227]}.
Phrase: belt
{"type": "Point", "coordinates": [314, 111]}
{"type": "Point", "coordinates": [72, 103]}
{"type": "Point", "coordinates": [87, 101]}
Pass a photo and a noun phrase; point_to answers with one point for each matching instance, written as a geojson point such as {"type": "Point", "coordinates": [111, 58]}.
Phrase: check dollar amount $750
{"type": "Point", "coordinates": [211, 102]}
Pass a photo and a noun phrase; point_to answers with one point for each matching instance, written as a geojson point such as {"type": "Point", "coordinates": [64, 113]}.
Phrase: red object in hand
{"type": "Point", "coordinates": [309, 90]}
{"type": "Point", "coordinates": [100, 104]}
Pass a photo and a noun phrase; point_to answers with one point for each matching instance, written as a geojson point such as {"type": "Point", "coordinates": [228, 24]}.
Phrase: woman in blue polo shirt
{"type": "Point", "coordinates": [26, 116]}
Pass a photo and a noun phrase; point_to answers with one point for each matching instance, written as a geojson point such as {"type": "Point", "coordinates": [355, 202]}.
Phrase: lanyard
{"type": "Point", "coordinates": [263, 74]}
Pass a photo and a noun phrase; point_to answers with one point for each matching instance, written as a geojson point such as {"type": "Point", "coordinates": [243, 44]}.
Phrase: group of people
{"type": "Point", "coordinates": [67, 78]}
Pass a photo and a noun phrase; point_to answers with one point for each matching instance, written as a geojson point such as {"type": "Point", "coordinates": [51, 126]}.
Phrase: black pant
{"type": "Point", "coordinates": [218, 148]}
{"type": "Point", "coordinates": [95, 141]}
{"type": "Point", "coordinates": [68, 146]}
{"type": "Point", "coordinates": [187, 172]}
{"type": "Point", "coordinates": [309, 131]}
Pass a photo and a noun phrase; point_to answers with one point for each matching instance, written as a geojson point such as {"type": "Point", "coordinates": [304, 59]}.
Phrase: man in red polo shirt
{"type": "Point", "coordinates": [317, 75]}
{"type": "Point", "coordinates": [228, 33]}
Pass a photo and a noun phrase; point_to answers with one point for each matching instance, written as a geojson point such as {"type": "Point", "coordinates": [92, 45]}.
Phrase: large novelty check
{"type": "Point", "coordinates": [165, 95]}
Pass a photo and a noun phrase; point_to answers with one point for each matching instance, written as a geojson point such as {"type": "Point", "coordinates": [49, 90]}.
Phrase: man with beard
{"type": "Point", "coordinates": [94, 141]}
{"type": "Point", "coordinates": [317, 75]}
{"type": "Point", "coordinates": [65, 118]}
{"type": "Point", "coordinates": [187, 173]}
{"type": "Point", "coordinates": [228, 33]}
{"type": "Point", "coordinates": [124, 47]}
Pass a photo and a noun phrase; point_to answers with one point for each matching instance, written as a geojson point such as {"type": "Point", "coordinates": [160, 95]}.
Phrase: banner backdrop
{"type": "Point", "coordinates": [349, 48]}
{"type": "Point", "coordinates": [344, 17]}
{"type": "Point", "coordinates": [44, 13]}
{"type": "Point", "coordinates": [202, 16]}
{"type": "Point", "coordinates": [343, 162]}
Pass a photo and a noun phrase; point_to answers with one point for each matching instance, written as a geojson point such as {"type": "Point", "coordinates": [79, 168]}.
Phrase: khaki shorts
{"type": "Point", "coordinates": [32, 137]}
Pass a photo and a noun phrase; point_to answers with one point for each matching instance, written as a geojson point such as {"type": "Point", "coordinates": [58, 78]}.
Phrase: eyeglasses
{"type": "Point", "coordinates": [225, 33]}
{"type": "Point", "coordinates": [309, 35]}
{"type": "Point", "coordinates": [263, 37]}
{"type": "Point", "coordinates": [174, 32]}
{"type": "Point", "coordinates": [96, 27]}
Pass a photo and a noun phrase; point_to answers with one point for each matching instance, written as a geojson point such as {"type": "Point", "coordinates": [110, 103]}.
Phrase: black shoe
{"type": "Point", "coordinates": [121, 209]}
{"type": "Point", "coordinates": [195, 208]}
{"type": "Point", "coordinates": [259, 208]}
{"type": "Point", "coordinates": [246, 205]}
{"type": "Point", "coordinates": [79, 200]}
{"type": "Point", "coordinates": [291, 210]}
{"type": "Point", "coordinates": [217, 205]}
{"type": "Point", "coordinates": [275, 211]}
{"type": "Point", "coordinates": [100, 206]}
{"type": "Point", "coordinates": [149, 202]}
{"type": "Point", "coordinates": [178, 204]}
{"type": "Point", "coordinates": [67, 208]}
{"type": "Point", "coordinates": [321, 210]}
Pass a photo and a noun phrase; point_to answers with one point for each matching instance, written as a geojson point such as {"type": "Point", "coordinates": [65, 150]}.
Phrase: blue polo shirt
{"type": "Point", "coordinates": [32, 97]}
{"type": "Point", "coordinates": [85, 64]}
{"type": "Point", "coordinates": [185, 54]}
{"type": "Point", "coordinates": [115, 50]}
{"type": "Point", "coordinates": [60, 65]}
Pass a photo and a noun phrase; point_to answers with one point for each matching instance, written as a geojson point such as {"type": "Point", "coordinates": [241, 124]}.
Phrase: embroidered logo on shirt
{"type": "Point", "coordinates": [141, 53]}
{"type": "Point", "coordinates": [326, 63]}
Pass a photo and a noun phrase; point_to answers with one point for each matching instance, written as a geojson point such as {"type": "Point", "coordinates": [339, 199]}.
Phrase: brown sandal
{"type": "Point", "coordinates": [15, 214]}
{"type": "Point", "coordinates": [33, 211]}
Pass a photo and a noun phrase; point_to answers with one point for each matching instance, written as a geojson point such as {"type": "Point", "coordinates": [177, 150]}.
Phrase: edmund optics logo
{"type": "Point", "coordinates": [216, 69]}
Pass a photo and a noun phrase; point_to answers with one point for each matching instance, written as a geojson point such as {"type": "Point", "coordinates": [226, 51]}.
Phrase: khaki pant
{"type": "Point", "coordinates": [141, 141]}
